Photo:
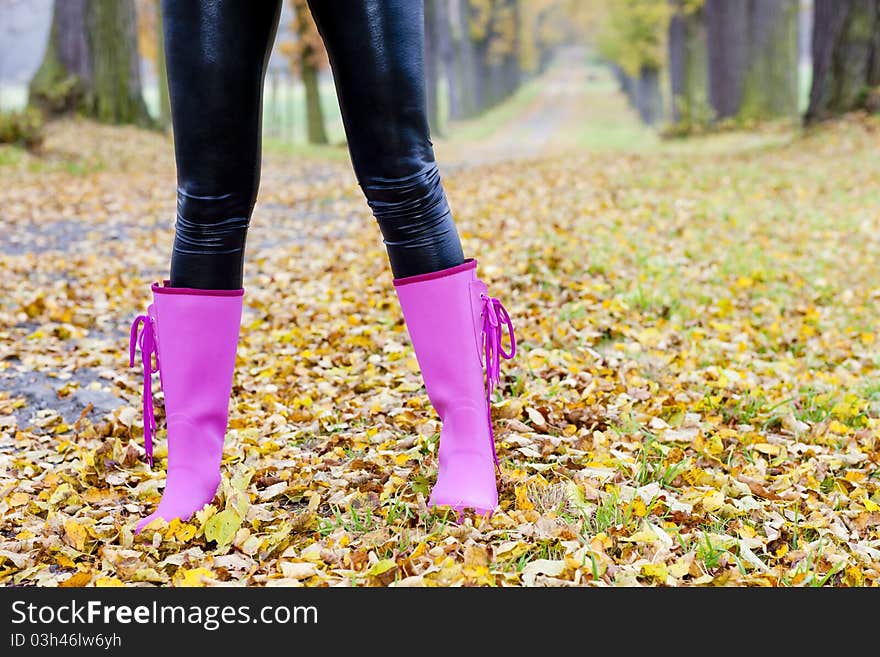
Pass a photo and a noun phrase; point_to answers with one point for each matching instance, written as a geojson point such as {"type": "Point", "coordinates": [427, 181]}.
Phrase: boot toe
{"type": "Point", "coordinates": [466, 482]}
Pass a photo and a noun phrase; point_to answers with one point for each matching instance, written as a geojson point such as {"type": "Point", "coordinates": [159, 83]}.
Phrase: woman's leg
{"type": "Point", "coordinates": [216, 53]}
{"type": "Point", "coordinates": [376, 52]}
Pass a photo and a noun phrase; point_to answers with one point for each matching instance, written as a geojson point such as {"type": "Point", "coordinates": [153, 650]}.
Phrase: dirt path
{"type": "Point", "coordinates": [553, 113]}
{"type": "Point", "coordinates": [565, 102]}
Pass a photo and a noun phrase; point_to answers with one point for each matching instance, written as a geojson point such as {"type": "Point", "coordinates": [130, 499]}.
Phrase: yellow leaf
{"type": "Point", "coordinates": [838, 427]}
{"type": "Point", "coordinates": [601, 542]}
{"type": "Point", "coordinates": [185, 532]}
{"type": "Point", "coordinates": [523, 503]}
{"type": "Point", "coordinates": [75, 535]}
{"type": "Point", "coordinates": [641, 536]}
{"type": "Point", "coordinates": [679, 569]}
{"type": "Point", "coordinates": [767, 448]}
{"type": "Point", "coordinates": [192, 577]}
{"type": "Point", "coordinates": [847, 408]}
{"type": "Point", "coordinates": [60, 494]}
{"type": "Point", "coordinates": [182, 531]}
{"type": "Point", "coordinates": [77, 580]}
{"type": "Point", "coordinates": [714, 445]}
{"type": "Point", "coordinates": [747, 531]}
{"type": "Point", "coordinates": [108, 582]}
{"type": "Point", "coordinates": [381, 566]}
{"type": "Point", "coordinates": [713, 501]}
{"type": "Point", "coordinates": [639, 508]}
{"type": "Point", "coordinates": [725, 306]}
{"type": "Point", "coordinates": [64, 561]}
{"type": "Point", "coordinates": [656, 570]}
{"type": "Point", "coordinates": [148, 575]}
{"type": "Point", "coordinates": [172, 528]}
{"type": "Point", "coordinates": [222, 527]}
{"type": "Point", "coordinates": [853, 576]}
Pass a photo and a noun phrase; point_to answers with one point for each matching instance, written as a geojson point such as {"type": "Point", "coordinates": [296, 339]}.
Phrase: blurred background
{"type": "Point", "coordinates": [684, 66]}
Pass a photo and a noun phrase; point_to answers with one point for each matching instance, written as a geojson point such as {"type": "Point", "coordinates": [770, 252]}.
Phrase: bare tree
{"type": "Point", "coordinates": [61, 83]}
{"type": "Point", "coordinates": [446, 55]}
{"type": "Point", "coordinates": [771, 79]}
{"type": "Point", "coordinates": [91, 62]}
{"type": "Point", "coordinates": [687, 61]}
{"type": "Point", "coordinates": [465, 61]}
{"type": "Point", "coordinates": [309, 57]}
{"type": "Point", "coordinates": [111, 34]}
{"type": "Point", "coordinates": [752, 57]}
{"type": "Point", "coordinates": [846, 56]}
{"type": "Point", "coordinates": [433, 12]}
{"type": "Point", "coordinates": [161, 69]}
{"type": "Point", "coordinates": [726, 33]}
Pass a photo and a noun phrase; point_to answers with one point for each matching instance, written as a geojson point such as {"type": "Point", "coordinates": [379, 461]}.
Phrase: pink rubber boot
{"type": "Point", "coordinates": [194, 336]}
{"type": "Point", "coordinates": [455, 326]}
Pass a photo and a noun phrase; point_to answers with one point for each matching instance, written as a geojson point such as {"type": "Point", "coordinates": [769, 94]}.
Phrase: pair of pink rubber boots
{"type": "Point", "coordinates": [456, 330]}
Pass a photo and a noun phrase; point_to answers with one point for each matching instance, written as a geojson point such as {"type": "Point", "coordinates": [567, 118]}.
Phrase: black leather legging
{"type": "Point", "coordinates": [217, 51]}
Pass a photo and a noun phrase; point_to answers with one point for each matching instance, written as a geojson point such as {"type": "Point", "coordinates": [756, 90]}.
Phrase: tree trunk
{"type": "Point", "coordinates": [846, 56]}
{"type": "Point", "coordinates": [648, 97]}
{"type": "Point", "coordinates": [677, 56]}
{"type": "Point", "coordinates": [308, 70]}
{"type": "Point", "coordinates": [91, 63]}
{"type": "Point", "coordinates": [62, 82]}
{"type": "Point", "coordinates": [111, 33]}
{"type": "Point", "coordinates": [770, 87]}
{"type": "Point", "coordinates": [314, 113]}
{"type": "Point", "coordinates": [446, 53]}
{"type": "Point", "coordinates": [753, 65]}
{"type": "Point", "coordinates": [495, 80]}
{"type": "Point", "coordinates": [512, 71]}
{"type": "Point", "coordinates": [476, 57]}
{"type": "Point", "coordinates": [462, 52]}
{"type": "Point", "coordinates": [482, 77]}
{"type": "Point", "coordinates": [687, 64]}
{"type": "Point", "coordinates": [727, 36]}
{"type": "Point", "coordinates": [162, 71]}
{"type": "Point", "coordinates": [431, 64]}
{"type": "Point", "coordinates": [626, 83]}
{"type": "Point", "coordinates": [499, 52]}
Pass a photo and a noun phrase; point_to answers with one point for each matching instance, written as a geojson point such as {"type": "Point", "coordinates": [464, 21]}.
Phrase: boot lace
{"type": "Point", "coordinates": [495, 318]}
{"type": "Point", "coordinates": [143, 336]}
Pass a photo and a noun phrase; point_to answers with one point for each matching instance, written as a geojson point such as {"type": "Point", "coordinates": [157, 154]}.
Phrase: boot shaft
{"type": "Point", "coordinates": [443, 314]}
{"type": "Point", "coordinates": [197, 338]}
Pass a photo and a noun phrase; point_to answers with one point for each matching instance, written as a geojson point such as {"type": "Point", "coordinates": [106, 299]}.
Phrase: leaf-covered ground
{"type": "Point", "coordinates": [695, 401]}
